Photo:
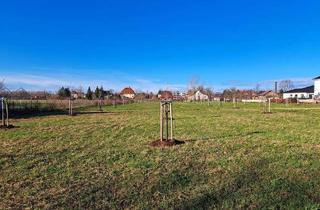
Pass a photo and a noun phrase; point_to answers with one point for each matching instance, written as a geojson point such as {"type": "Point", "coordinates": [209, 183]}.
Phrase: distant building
{"type": "Point", "coordinates": [316, 87]}
{"type": "Point", "coordinates": [127, 92]}
{"type": "Point", "coordinates": [77, 94]}
{"type": "Point", "coordinates": [218, 97]}
{"type": "Point", "coordinates": [310, 92]}
{"type": "Point", "coordinates": [265, 95]}
{"type": "Point", "coordinates": [177, 95]}
{"type": "Point", "coordinates": [165, 95]}
{"type": "Point", "coordinates": [300, 93]}
{"type": "Point", "coordinates": [197, 96]}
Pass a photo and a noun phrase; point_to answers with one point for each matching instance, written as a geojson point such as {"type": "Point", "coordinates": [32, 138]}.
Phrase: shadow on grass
{"type": "Point", "coordinates": [93, 112]}
{"type": "Point", "coordinates": [225, 136]}
{"type": "Point", "coordinates": [250, 189]}
{"type": "Point", "coordinates": [26, 115]}
{"type": "Point", "coordinates": [253, 186]}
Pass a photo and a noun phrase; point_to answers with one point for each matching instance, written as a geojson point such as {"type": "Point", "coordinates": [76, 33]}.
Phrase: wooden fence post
{"type": "Point", "coordinates": [2, 111]}
{"type": "Point", "coordinates": [70, 107]}
{"type": "Point", "coordinates": [7, 112]}
{"type": "Point", "coordinates": [161, 123]}
{"type": "Point", "coordinates": [171, 122]}
{"type": "Point", "coordinates": [269, 105]}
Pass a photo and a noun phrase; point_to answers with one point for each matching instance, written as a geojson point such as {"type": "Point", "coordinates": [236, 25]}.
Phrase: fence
{"type": "Point", "coordinates": [38, 106]}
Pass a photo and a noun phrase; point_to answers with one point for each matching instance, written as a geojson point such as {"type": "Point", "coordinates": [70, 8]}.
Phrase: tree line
{"type": "Point", "coordinates": [98, 93]}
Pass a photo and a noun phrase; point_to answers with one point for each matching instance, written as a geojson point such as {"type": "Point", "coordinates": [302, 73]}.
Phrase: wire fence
{"type": "Point", "coordinates": [38, 106]}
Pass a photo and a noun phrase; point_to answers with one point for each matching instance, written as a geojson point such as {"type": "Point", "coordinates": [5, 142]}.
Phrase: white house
{"type": "Point", "coordinates": [317, 87]}
{"type": "Point", "coordinates": [310, 92]}
{"type": "Point", "coordinates": [300, 93]}
{"type": "Point", "coordinates": [197, 96]}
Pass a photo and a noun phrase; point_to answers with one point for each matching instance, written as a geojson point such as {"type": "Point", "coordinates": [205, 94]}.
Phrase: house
{"type": "Point", "coordinates": [310, 92]}
{"type": "Point", "coordinates": [77, 94]}
{"type": "Point", "coordinates": [261, 95]}
{"type": "Point", "coordinates": [127, 92]}
{"type": "Point", "coordinates": [197, 96]}
{"type": "Point", "coordinates": [316, 87]}
{"type": "Point", "coordinates": [217, 97]}
{"type": "Point", "coordinates": [165, 95]}
{"type": "Point", "coordinates": [177, 95]}
{"type": "Point", "coordinates": [300, 93]}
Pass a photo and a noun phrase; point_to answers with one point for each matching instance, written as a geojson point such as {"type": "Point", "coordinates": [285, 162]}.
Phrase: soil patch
{"type": "Point", "coordinates": [166, 143]}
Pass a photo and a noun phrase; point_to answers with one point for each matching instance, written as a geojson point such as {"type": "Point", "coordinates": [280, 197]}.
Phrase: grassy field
{"type": "Point", "coordinates": [232, 158]}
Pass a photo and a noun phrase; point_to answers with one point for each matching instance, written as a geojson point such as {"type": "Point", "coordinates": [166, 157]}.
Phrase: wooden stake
{"type": "Point", "coordinates": [269, 105]}
{"type": "Point", "coordinates": [161, 123]}
{"type": "Point", "coordinates": [171, 120]}
{"type": "Point", "coordinates": [71, 107]}
{"type": "Point", "coordinates": [7, 108]}
{"type": "Point", "coordinates": [2, 111]}
{"type": "Point", "coordinates": [100, 109]}
{"type": "Point", "coordinates": [167, 121]}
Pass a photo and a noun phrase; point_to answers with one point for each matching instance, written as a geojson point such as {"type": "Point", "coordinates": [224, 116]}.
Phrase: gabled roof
{"type": "Point", "coordinates": [264, 93]}
{"type": "Point", "coordinates": [309, 89]}
{"type": "Point", "coordinates": [127, 90]}
{"type": "Point", "coordinates": [166, 95]}
{"type": "Point", "coordinates": [316, 78]}
{"type": "Point", "coordinates": [194, 92]}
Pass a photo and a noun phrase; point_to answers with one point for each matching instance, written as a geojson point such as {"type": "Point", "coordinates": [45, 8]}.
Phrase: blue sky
{"type": "Point", "coordinates": [158, 44]}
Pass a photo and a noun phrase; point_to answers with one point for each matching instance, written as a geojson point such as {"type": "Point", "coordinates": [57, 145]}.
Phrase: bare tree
{"type": "Point", "coordinates": [209, 92]}
{"type": "Point", "coordinates": [2, 86]}
{"type": "Point", "coordinates": [286, 85]}
{"type": "Point", "coordinates": [257, 89]}
{"type": "Point", "coordinates": [193, 83]}
{"type": "Point", "coordinates": [4, 91]}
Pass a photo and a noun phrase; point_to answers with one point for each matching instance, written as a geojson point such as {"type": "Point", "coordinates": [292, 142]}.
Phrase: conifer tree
{"type": "Point", "coordinates": [89, 94]}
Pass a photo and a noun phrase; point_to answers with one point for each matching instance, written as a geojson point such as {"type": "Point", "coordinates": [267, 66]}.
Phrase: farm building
{"type": "Point", "coordinates": [127, 92]}
{"type": "Point", "coordinates": [301, 93]}
{"type": "Point", "coordinates": [197, 96]}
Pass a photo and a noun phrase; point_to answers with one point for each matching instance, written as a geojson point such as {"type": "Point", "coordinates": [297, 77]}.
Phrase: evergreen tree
{"type": "Point", "coordinates": [64, 92]}
{"type": "Point", "coordinates": [67, 92]}
{"type": "Point", "coordinates": [97, 92]}
{"type": "Point", "coordinates": [89, 94]}
{"type": "Point", "coordinates": [61, 92]}
{"type": "Point", "coordinates": [102, 92]}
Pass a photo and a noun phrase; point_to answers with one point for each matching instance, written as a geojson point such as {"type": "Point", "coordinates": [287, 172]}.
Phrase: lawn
{"type": "Point", "coordinates": [232, 158]}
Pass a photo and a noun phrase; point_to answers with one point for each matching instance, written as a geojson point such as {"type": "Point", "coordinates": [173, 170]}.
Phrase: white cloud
{"type": "Point", "coordinates": [113, 81]}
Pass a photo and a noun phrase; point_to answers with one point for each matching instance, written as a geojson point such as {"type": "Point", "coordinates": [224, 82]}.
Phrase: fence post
{"type": "Point", "coordinates": [269, 105]}
{"type": "Point", "coordinates": [7, 108]}
{"type": "Point", "coordinates": [2, 111]}
{"type": "Point", "coordinates": [171, 122]}
{"type": "Point", "coordinates": [161, 123]}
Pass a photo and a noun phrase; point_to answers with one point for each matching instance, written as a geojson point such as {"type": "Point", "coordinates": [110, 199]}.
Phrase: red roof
{"type": "Point", "coordinates": [127, 90]}
{"type": "Point", "coordinates": [166, 95]}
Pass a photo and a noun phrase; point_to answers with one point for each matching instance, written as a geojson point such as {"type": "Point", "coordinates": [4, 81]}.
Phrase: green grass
{"type": "Point", "coordinates": [232, 158]}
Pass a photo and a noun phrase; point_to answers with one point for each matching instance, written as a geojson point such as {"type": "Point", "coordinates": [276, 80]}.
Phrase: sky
{"type": "Point", "coordinates": [158, 44]}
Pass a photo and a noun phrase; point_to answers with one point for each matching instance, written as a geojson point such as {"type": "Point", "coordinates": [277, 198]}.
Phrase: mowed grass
{"type": "Point", "coordinates": [232, 158]}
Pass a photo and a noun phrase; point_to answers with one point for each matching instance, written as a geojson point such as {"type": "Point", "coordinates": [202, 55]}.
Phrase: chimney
{"type": "Point", "coordinates": [276, 87]}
